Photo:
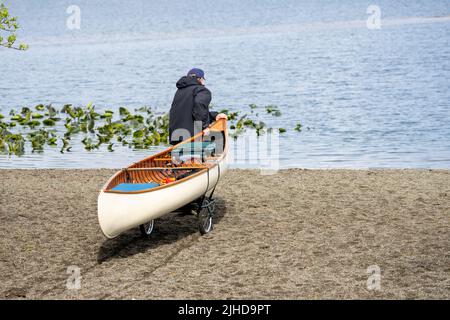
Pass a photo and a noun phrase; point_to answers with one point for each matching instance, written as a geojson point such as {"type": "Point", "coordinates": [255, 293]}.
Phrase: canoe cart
{"type": "Point", "coordinates": [181, 178]}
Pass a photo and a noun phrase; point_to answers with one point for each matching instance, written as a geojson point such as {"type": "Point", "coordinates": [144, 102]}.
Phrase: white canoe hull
{"type": "Point", "coordinates": [118, 212]}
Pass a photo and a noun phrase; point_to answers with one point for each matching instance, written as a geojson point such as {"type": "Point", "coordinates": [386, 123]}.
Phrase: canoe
{"type": "Point", "coordinates": [164, 182]}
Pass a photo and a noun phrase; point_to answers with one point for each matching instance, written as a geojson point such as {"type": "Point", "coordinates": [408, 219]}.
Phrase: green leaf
{"type": "Point", "coordinates": [25, 110]}
{"type": "Point", "coordinates": [143, 109]}
{"type": "Point", "coordinates": [37, 116]}
{"type": "Point", "coordinates": [11, 39]}
{"type": "Point", "coordinates": [123, 111]}
{"type": "Point", "coordinates": [107, 114]}
{"type": "Point", "coordinates": [52, 141]}
{"type": "Point", "coordinates": [33, 123]}
{"type": "Point", "coordinates": [48, 122]}
{"type": "Point", "coordinates": [91, 125]}
{"type": "Point", "coordinates": [138, 134]}
{"type": "Point", "coordinates": [51, 111]}
{"type": "Point", "coordinates": [273, 110]}
{"type": "Point", "coordinates": [66, 144]}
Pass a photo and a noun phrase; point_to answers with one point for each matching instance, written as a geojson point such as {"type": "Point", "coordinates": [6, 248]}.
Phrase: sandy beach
{"type": "Point", "coordinates": [299, 234]}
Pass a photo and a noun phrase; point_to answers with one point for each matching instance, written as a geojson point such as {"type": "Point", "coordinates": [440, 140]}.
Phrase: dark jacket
{"type": "Point", "coordinates": [191, 103]}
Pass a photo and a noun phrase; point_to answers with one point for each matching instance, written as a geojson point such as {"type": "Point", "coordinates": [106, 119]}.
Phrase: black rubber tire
{"type": "Point", "coordinates": [205, 221]}
{"type": "Point", "coordinates": [145, 232]}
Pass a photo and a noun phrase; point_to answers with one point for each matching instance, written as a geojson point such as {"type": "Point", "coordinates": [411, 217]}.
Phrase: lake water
{"type": "Point", "coordinates": [370, 98]}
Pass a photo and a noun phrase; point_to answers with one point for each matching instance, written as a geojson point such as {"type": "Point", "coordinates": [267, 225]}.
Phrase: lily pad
{"type": "Point", "coordinates": [36, 116]}
{"type": "Point", "coordinates": [49, 122]}
{"type": "Point", "coordinates": [33, 123]}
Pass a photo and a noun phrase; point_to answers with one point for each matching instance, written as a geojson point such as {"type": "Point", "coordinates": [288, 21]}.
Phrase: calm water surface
{"type": "Point", "coordinates": [370, 98]}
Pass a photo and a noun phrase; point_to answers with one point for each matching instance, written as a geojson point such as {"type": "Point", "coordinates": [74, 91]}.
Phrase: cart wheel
{"type": "Point", "coordinates": [205, 217]}
{"type": "Point", "coordinates": [147, 228]}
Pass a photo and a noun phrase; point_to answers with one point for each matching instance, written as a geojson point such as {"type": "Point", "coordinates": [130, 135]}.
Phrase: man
{"type": "Point", "coordinates": [190, 113]}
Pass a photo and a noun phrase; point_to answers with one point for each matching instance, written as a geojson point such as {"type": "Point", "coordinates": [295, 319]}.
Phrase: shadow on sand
{"type": "Point", "coordinates": [169, 228]}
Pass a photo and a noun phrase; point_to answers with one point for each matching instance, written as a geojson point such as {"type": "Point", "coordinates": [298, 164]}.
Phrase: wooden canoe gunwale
{"type": "Point", "coordinates": [137, 167]}
{"type": "Point", "coordinates": [163, 168]}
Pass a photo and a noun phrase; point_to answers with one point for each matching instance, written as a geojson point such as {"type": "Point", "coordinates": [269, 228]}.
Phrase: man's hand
{"type": "Point", "coordinates": [206, 131]}
{"type": "Point", "coordinates": [221, 116]}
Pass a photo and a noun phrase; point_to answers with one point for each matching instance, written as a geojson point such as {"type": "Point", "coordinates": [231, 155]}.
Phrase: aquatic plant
{"type": "Point", "coordinates": [45, 125]}
{"type": "Point", "coordinates": [273, 110]}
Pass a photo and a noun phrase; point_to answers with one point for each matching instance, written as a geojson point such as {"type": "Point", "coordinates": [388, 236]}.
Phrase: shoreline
{"type": "Point", "coordinates": [297, 234]}
{"type": "Point", "coordinates": [244, 169]}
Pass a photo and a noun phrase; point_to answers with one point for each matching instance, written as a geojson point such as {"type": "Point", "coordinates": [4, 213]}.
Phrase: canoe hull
{"type": "Point", "coordinates": [118, 212]}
